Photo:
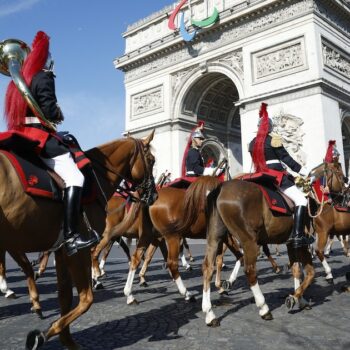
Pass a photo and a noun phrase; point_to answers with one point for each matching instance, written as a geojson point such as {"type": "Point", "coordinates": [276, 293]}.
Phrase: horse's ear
{"type": "Point", "coordinates": [149, 138]}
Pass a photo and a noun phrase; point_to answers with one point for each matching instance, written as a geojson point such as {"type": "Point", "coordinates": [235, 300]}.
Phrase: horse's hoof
{"type": "Point", "coordinates": [35, 339]}
{"type": "Point", "coordinates": [267, 317]}
{"type": "Point", "coordinates": [38, 312]}
{"type": "Point", "coordinates": [277, 270]}
{"type": "Point", "coordinates": [290, 302]}
{"type": "Point", "coordinates": [134, 302]}
{"type": "Point", "coordinates": [97, 285]}
{"type": "Point", "coordinates": [214, 323]}
{"type": "Point", "coordinates": [189, 268]}
{"type": "Point", "coordinates": [223, 291]}
{"type": "Point", "coordinates": [330, 281]}
{"type": "Point", "coordinates": [11, 295]}
{"type": "Point", "coordinates": [226, 285]}
{"type": "Point", "coordinates": [143, 284]}
{"type": "Point", "coordinates": [191, 299]}
{"type": "Point", "coordinates": [192, 259]}
{"type": "Point", "coordinates": [36, 275]}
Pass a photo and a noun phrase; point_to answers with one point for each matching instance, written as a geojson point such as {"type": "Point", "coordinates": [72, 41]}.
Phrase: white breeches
{"type": "Point", "coordinates": [296, 196]}
{"type": "Point", "coordinates": [66, 168]}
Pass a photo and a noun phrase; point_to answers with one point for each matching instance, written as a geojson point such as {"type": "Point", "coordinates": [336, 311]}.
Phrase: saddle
{"type": "Point", "coordinates": [278, 202]}
{"type": "Point", "coordinates": [36, 178]}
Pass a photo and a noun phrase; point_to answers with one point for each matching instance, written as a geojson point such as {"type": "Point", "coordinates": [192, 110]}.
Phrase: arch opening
{"type": "Point", "coordinates": [211, 98]}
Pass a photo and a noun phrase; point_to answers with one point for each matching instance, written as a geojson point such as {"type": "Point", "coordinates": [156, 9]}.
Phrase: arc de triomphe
{"type": "Point", "coordinates": [294, 55]}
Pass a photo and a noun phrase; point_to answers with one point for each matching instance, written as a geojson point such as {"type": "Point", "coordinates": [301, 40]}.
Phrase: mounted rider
{"type": "Point", "coordinates": [194, 160]}
{"type": "Point", "coordinates": [37, 71]}
{"type": "Point", "coordinates": [271, 157]}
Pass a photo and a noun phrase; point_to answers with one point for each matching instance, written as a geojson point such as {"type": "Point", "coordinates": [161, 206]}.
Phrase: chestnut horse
{"type": "Point", "coordinates": [30, 224]}
{"type": "Point", "coordinates": [165, 215]}
{"type": "Point", "coordinates": [238, 208]}
{"type": "Point", "coordinates": [327, 220]}
{"type": "Point", "coordinates": [140, 229]}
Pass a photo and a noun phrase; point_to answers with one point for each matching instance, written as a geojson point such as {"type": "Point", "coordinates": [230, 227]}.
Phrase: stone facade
{"type": "Point", "coordinates": [293, 55]}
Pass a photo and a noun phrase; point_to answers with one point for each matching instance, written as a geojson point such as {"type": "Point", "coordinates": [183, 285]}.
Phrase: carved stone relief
{"type": "Point", "coordinates": [147, 101]}
{"type": "Point", "coordinates": [289, 128]}
{"type": "Point", "coordinates": [178, 77]}
{"type": "Point", "coordinates": [220, 38]}
{"type": "Point", "coordinates": [234, 60]}
{"type": "Point", "coordinates": [335, 59]}
{"type": "Point", "coordinates": [279, 60]}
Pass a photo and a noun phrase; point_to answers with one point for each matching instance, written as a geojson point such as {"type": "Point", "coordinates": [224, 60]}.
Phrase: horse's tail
{"type": "Point", "coordinates": [195, 202]}
{"type": "Point", "coordinates": [211, 201]}
{"type": "Point", "coordinates": [127, 221]}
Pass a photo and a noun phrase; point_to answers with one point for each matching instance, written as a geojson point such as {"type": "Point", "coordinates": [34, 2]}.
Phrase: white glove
{"type": "Point", "coordinates": [219, 171]}
{"type": "Point", "coordinates": [208, 171]}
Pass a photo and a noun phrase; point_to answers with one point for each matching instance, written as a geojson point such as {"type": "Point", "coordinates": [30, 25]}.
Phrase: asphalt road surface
{"type": "Point", "coordinates": [164, 320]}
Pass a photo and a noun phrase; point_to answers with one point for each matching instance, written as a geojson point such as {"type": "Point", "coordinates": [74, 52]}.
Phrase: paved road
{"type": "Point", "coordinates": [163, 320]}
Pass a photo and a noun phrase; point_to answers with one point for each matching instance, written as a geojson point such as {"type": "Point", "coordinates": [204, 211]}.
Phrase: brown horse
{"type": "Point", "coordinates": [239, 209]}
{"type": "Point", "coordinates": [327, 220]}
{"type": "Point", "coordinates": [140, 229]}
{"type": "Point", "coordinates": [166, 214]}
{"type": "Point", "coordinates": [31, 224]}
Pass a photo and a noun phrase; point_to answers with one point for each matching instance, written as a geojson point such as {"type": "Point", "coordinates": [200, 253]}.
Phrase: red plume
{"type": "Point", "coordinates": [200, 126]}
{"type": "Point", "coordinates": [259, 145]}
{"type": "Point", "coordinates": [15, 104]}
{"type": "Point", "coordinates": [329, 154]}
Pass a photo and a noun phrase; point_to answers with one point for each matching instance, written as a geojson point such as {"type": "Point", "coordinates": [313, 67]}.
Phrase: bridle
{"type": "Point", "coordinates": [146, 188]}
{"type": "Point", "coordinates": [329, 173]}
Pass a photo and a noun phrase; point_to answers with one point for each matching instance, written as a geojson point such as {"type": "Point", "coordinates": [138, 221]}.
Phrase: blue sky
{"type": "Point", "coordinates": [86, 36]}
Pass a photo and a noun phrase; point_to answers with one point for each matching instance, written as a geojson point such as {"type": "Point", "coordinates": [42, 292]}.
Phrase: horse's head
{"type": "Point", "coordinates": [332, 173]}
{"type": "Point", "coordinates": [128, 159]}
{"type": "Point", "coordinates": [142, 169]}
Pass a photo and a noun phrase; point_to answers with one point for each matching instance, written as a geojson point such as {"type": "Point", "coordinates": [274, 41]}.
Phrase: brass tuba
{"type": "Point", "coordinates": [13, 52]}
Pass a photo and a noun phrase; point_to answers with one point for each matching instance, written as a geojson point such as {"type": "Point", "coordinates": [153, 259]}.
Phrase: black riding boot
{"type": "Point", "coordinates": [298, 238]}
{"type": "Point", "coordinates": [72, 237]}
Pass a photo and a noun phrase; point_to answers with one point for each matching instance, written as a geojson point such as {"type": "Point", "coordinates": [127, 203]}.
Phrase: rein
{"type": "Point", "coordinates": [145, 185]}
{"type": "Point", "coordinates": [326, 170]}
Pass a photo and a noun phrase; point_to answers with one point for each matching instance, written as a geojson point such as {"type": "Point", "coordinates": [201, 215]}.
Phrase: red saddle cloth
{"type": "Point", "coordinates": [33, 173]}
{"type": "Point", "coordinates": [266, 183]}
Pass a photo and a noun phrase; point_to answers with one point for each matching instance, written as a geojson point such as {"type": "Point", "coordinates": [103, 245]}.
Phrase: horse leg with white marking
{"type": "Point", "coordinates": [322, 237]}
{"type": "Point", "coordinates": [173, 243]}
{"type": "Point", "coordinates": [303, 255]}
{"type": "Point", "coordinates": [3, 284]}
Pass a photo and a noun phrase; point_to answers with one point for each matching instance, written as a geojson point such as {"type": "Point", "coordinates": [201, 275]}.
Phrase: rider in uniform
{"type": "Point", "coordinates": [270, 156]}
{"type": "Point", "coordinates": [38, 73]}
{"type": "Point", "coordinates": [194, 161]}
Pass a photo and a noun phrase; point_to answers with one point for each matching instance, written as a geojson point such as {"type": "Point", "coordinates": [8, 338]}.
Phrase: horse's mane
{"type": "Point", "coordinates": [194, 202]}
